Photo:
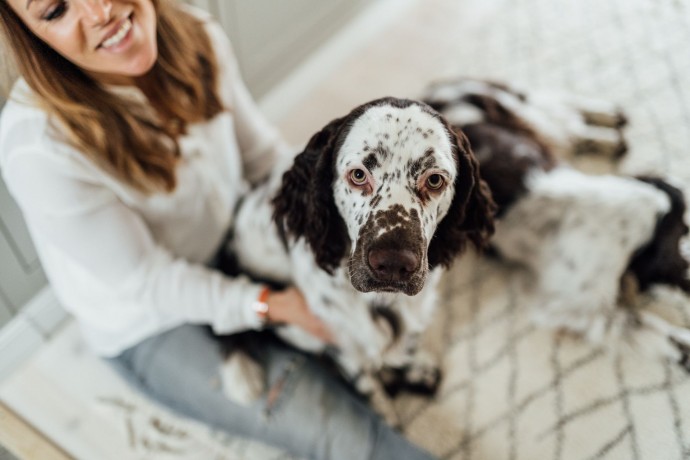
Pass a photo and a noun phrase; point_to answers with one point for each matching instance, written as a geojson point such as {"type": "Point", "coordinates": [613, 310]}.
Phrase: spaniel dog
{"type": "Point", "coordinates": [363, 223]}
{"type": "Point", "coordinates": [591, 240]}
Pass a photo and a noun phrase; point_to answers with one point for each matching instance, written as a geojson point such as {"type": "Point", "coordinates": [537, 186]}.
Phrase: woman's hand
{"type": "Point", "coordinates": [289, 306]}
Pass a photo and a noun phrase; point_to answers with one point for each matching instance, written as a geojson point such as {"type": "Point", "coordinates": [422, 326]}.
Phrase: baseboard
{"type": "Point", "coordinates": [280, 100]}
{"type": "Point", "coordinates": [29, 330]}
{"type": "Point", "coordinates": [45, 312]}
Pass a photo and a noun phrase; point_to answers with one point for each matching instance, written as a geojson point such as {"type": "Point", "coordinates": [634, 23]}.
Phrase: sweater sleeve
{"type": "Point", "coordinates": [260, 142]}
{"type": "Point", "coordinates": [95, 230]}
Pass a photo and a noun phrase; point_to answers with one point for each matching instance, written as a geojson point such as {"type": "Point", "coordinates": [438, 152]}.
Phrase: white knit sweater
{"type": "Point", "coordinates": [125, 264]}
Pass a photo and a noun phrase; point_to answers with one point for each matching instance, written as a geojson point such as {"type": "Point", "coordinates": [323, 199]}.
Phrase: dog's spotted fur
{"type": "Point", "coordinates": [367, 253]}
{"type": "Point", "coordinates": [581, 235]}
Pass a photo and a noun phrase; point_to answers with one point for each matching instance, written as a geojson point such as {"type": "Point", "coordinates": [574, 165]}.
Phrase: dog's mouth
{"type": "Point", "coordinates": [369, 284]}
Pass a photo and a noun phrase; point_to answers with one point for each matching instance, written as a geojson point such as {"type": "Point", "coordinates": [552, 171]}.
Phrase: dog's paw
{"type": "Point", "coordinates": [596, 112]}
{"type": "Point", "coordinates": [242, 378]}
{"type": "Point", "coordinates": [365, 384]}
{"type": "Point", "coordinates": [600, 141]}
{"type": "Point", "coordinates": [621, 149]}
{"type": "Point", "coordinates": [621, 119]}
{"type": "Point", "coordinates": [423, 376]}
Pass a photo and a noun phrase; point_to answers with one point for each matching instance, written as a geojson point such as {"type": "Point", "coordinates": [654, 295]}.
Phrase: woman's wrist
{"type": "Point", "coordinates": [261, 307]}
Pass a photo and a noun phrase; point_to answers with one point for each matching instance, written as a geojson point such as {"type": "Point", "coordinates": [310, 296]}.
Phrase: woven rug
{"type": "Point", "coordinates": [511, 390]}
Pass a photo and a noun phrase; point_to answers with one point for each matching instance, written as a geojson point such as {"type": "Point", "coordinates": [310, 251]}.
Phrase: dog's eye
{"type": "Point", "coordinates": [435, 181]}
{"type": "Point", "coordinates": [358, 176]}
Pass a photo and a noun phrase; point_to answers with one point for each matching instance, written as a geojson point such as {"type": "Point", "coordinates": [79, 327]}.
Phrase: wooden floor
{"type": "Point", "coordinates": [24, 440]}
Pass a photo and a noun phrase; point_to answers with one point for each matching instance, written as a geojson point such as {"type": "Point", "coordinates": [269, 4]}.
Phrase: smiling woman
{"type": "Point", "coordinates": [67, 41]}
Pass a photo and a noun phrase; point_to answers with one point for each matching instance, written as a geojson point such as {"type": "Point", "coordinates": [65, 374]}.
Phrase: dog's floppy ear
{"type": "Point", "coordinates": [304, 206]}
{"type": "Point", "coordinates": [471, 213]}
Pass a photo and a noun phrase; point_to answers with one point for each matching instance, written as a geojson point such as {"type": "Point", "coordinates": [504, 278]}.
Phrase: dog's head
{"type": "Point", "coordinates": [390, 185]}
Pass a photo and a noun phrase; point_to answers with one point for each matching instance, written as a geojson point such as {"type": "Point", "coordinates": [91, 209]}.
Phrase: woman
{"type": "Point", "coordinates": [127, 144]}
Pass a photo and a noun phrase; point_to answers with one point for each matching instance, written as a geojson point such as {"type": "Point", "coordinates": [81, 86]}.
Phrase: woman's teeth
{"type": "Point", "coordinates": [119, 35]}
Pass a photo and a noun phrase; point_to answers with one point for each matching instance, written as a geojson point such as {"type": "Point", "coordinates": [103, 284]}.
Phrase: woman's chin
{"type": "Point", "coordinates": [142, 65]}
{"type": "Point", "coordinates": [126, 75]}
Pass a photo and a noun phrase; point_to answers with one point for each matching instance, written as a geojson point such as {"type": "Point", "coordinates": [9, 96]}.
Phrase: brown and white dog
{"type": "Point", "coordinates": [363, 222]}
{"type": "Point", "coordinates": [589, 239]}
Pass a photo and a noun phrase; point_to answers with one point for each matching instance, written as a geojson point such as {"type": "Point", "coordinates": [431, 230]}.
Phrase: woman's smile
{"type": "Point", "coordinates": [118, 38]}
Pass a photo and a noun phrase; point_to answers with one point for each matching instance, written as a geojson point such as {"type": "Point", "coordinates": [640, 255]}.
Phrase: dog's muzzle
{"type": "Point", "coordinates": [390, 260]}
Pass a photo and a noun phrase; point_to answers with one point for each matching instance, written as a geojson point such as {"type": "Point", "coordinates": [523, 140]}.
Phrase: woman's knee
{"type": "Point", "coordinates": [172, 367]}
{"type": "Point", "coordinates": [329, 421]}
{"type": "Point", "coordinates": [317, 415]}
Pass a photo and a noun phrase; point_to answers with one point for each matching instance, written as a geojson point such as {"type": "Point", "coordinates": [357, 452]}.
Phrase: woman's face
{"type": "Point", "coordinates": [112, 40]}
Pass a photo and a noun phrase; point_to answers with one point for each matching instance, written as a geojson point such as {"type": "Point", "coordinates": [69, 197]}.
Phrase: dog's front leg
{"type": "Point", "coordinates": [406, 364]}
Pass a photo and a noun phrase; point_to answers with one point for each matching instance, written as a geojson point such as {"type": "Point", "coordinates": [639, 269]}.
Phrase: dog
{"type": "Point", "coordinates": [363, 222]}
{"type": "Point", "coordinates": [592, 241]}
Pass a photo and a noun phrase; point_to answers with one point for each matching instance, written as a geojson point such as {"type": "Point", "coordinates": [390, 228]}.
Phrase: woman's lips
{"type": "Point", "coordinates": [118, 34]}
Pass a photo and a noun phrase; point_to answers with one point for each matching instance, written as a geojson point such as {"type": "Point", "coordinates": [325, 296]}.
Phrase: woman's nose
{"type": "Point", "coordinates": [94, 12]}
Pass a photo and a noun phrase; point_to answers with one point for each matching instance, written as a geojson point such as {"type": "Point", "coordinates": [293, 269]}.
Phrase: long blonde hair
{"type": "Point", "coordinates": [123, 136]}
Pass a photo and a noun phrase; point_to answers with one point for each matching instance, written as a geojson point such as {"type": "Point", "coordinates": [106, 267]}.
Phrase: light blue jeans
{"type": "Point", "coordinates": [313, 416]}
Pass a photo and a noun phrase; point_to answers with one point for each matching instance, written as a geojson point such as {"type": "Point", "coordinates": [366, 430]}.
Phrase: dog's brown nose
{"type": "Point", "coordinates": [393, 264]}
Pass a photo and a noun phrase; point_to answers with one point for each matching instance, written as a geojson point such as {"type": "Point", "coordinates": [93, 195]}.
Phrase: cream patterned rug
{"type": "Point", "coordinates": [511, 391]}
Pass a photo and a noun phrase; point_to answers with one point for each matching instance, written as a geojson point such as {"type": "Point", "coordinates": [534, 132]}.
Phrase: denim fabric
{"type": "Point", "coordinates": [309, 413]}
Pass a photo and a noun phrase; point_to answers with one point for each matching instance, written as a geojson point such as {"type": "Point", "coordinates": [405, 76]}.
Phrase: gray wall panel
{"type": "Point", "coordinates": [6, 313]}
{"type": "Point", "coordinates": [19, 282]}
{"type": "Point", "coordinates": [15, 231]}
